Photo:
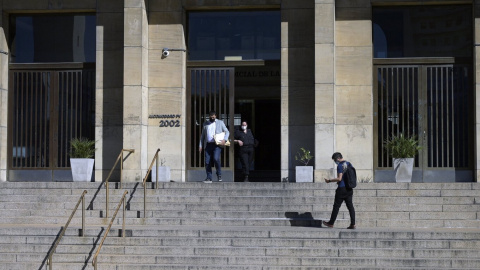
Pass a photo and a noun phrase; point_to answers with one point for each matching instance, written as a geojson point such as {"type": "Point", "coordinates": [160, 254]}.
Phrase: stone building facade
{"type": "Point", "coordinates": [327, 89]}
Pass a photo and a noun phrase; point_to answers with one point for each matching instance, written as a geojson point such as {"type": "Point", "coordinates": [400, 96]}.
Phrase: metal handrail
{"type": "Point", "coordinates": [120, 156]}
{"type": "Point", "coordinates": [155, 158]}
{"type": "Point", "coordinates": [50, 254]}
{"type": "Point", "coordinates": [122, 200]}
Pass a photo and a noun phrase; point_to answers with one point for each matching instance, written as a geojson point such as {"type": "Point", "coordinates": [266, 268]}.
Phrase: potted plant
{"type": "Point", "coordinates": [81, 158]}
{"type": "Point", "coordinates": [303, 173]}
{"type": "Point", "coordinates": [163, 172]}
{"type": "Point", "coordinates": [403, 150]}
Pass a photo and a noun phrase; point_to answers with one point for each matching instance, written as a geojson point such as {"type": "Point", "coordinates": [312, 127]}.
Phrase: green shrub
{"type": "Point", "coordinates": [304, 156]}
{"type": "Point", "coordinates": [402, 147]}
{"type": "Point", "coordinates": [82, 148]}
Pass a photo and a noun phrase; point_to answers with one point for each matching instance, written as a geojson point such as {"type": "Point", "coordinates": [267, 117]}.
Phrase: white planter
{"type": "Point", "coordinates": [304, 174]}
{"type": "Point", "coordinates": [82, 169]}
{"type": "Point", "coordinates": [403, 169]}
{"type": "Point", "coordinates": [163, 174]}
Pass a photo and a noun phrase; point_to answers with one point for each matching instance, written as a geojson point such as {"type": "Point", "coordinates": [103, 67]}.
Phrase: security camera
{"type": "Point", "coordinates": [165, 52]}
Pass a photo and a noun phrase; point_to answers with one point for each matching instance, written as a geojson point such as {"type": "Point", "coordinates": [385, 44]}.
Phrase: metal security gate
{"type": "Point", "coordinates": [208, 89]}
{"type": "Point", "coordinates": [432, 102]}
{"type": "Point", "coordinates": [47, 107]}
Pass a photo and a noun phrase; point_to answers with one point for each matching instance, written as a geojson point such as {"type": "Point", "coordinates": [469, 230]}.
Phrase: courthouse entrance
{"type": "Point", "coordinates": [208, 89]}
{"type": "Point", "coordinates": [234, 69]}
{"type": "Point", "coordinates": [236, 94]}
{"type": "Point", "coordinates": [434, 103]}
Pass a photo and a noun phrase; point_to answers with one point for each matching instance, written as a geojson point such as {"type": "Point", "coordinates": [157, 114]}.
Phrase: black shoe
{"type": "Point", "coordinates": [246, 179]}
{"type": "Point", "coordinates": [207, 180]}
{"type": "Point", "coordinates": [327, 224]}
{"type": "Point", "coordinates": [219, 178]}
{"type": "Point", "coordinates": [351, 227]}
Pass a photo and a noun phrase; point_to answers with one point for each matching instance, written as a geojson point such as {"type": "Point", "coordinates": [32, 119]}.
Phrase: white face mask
{"type": "Point", "coordinates": [244, 127]}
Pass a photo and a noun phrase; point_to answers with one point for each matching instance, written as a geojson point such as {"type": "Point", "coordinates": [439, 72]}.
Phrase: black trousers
{"type": "Point", "coordinates": [246, 158]}
{"type": "Point", "coordinates": [343, 194]}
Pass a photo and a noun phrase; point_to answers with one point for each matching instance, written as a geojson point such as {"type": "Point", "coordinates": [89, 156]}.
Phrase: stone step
{"type": "Point", "coordinates": [73, 266]}
{"type": "Point", "coordinates": [253, 203]}
{"type": "Point", "coordinates": [253, 246]}
{"type": "Point", "coordinates": [252, 260]}
{"type": "Point", "coordinates": [244, 226]}
{"type": "Point", "coordinates": [386, 188]}
{"type": "Point", "coordinates": [232, 267]}
{"type": "Point", "coordinates": [243, 260]}
{"type": "Point", "coordinates": [342, 221]}
{"type": "Point", "coordinates": [247, 247]}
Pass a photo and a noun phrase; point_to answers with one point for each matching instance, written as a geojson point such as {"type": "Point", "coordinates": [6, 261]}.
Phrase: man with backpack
{"type": "Point", "coordinates": [344, 190]}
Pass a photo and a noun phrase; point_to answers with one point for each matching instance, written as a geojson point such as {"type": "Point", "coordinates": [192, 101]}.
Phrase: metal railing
{"type": "Point", "coordinates": [120, 157]}
{"type": "Point", "coordinates": [122, 201]}
{"type": "Point", "coordinates": [50, 254]}
{"type": "Point", "coordinates": [155, 159]}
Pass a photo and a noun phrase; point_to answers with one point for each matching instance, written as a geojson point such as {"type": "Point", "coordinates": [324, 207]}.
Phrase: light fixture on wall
{"type": "Point", "coordinates": [166, 51]}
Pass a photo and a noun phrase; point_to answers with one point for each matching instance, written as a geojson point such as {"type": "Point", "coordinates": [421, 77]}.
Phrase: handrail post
{"type": "Point", "coordinates": [144, 201]}
{"type": "Point", "coordinates": [122, 201]}
{"type": "Point", "coordinates": [83, 216]}
{"type": "Point", "coordinates": [155, 158]}
{"type": "Point", "coordinates": [57, 241]}
{"type": "Point", "coordinates": [121, 170]}
{"type": "Point", "coordinates": [106, 200]}
{"type": "Point", "coordinates": [120, 157]}
{"type": "Point", "coordinates": [123, 221]}
{"type": "Point", "coordinates": [50, 262]}
{"type": "Point", "coordinates": [156, 173]}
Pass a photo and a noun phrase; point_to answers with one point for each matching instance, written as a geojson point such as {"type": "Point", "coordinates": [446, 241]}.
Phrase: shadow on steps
{"type": "Point", "coordinates": [306, 219]}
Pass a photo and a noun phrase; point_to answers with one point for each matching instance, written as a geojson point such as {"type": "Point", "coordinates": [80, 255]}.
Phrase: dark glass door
{"type": "Point", "coordinates": [208, 89]}
{"type": "Point", "coordinates": [432, 102]}
{"type": "Point", "coordinates": [48, 107]}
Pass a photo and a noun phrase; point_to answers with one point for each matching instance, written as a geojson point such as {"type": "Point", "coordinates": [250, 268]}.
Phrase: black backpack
{"type": "Point", "coordinates": [350, 176]}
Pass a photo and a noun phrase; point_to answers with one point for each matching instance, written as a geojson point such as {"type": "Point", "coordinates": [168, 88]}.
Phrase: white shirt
{"type": "Point", "coordinates": [211, 131]}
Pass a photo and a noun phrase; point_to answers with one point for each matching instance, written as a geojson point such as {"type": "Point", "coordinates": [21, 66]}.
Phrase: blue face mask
{"type": "Point", "coordinates": [337, 162]}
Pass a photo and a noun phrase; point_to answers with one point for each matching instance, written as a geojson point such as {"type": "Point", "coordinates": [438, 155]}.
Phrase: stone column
{"type": "Point", "coordinates": [167, 85]}
{"type": "Point", "coordinates": [324, 87]}
{"type": "Point", "coordinates": [135, 88]}
{"type": "Point", "coordinates": [477, 88]}
{"type": "Point", "coordinates": [3, 96]}
{"type": "Point", "coordinates": [109, 87]}
{"type": "Point", "coordinates": [297, 83]}
{"type": "Point", "coordinates": [353, 84]}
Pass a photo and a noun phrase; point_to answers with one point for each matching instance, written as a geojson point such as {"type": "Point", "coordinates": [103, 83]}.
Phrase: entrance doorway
{"type": "Point", "coordinates": [243, 93]}
{"type": "Point", "coordinates": [432, 102]}
{"type": "Point", "coordinates": [263, 118]}
{"type": "Point", "coordinates": [208, 89]}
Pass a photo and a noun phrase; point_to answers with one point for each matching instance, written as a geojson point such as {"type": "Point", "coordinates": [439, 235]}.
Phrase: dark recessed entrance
{"type": "Point", "coordinates": [246, 43]}
{"type": "Point", "coordinates": [257, 101]}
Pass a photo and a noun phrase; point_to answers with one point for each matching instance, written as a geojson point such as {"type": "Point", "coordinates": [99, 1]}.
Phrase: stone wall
{"type": "Point", "coordinates": [324, 88]}
{"type": "Point", "coordinates": [353, 84]}
{"type": "Point", "coordinates": [326, 80]}
{"type": "Point", "coordinates": [109, 86]}
{"type": "Point", "coordinates": [135, 88]}
{"type": "Point", "coordinates": [297, 82]}
{"type": "Point", "coordinates": [167, 83]}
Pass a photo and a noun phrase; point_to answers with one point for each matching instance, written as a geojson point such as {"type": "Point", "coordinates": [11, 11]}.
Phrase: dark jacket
{"type": "Point", "coordinates": [247, 138]}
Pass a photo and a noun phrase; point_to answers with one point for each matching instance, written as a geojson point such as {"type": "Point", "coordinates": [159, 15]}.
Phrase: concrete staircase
{"type": "Point", "coordinates": [243, 226]}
